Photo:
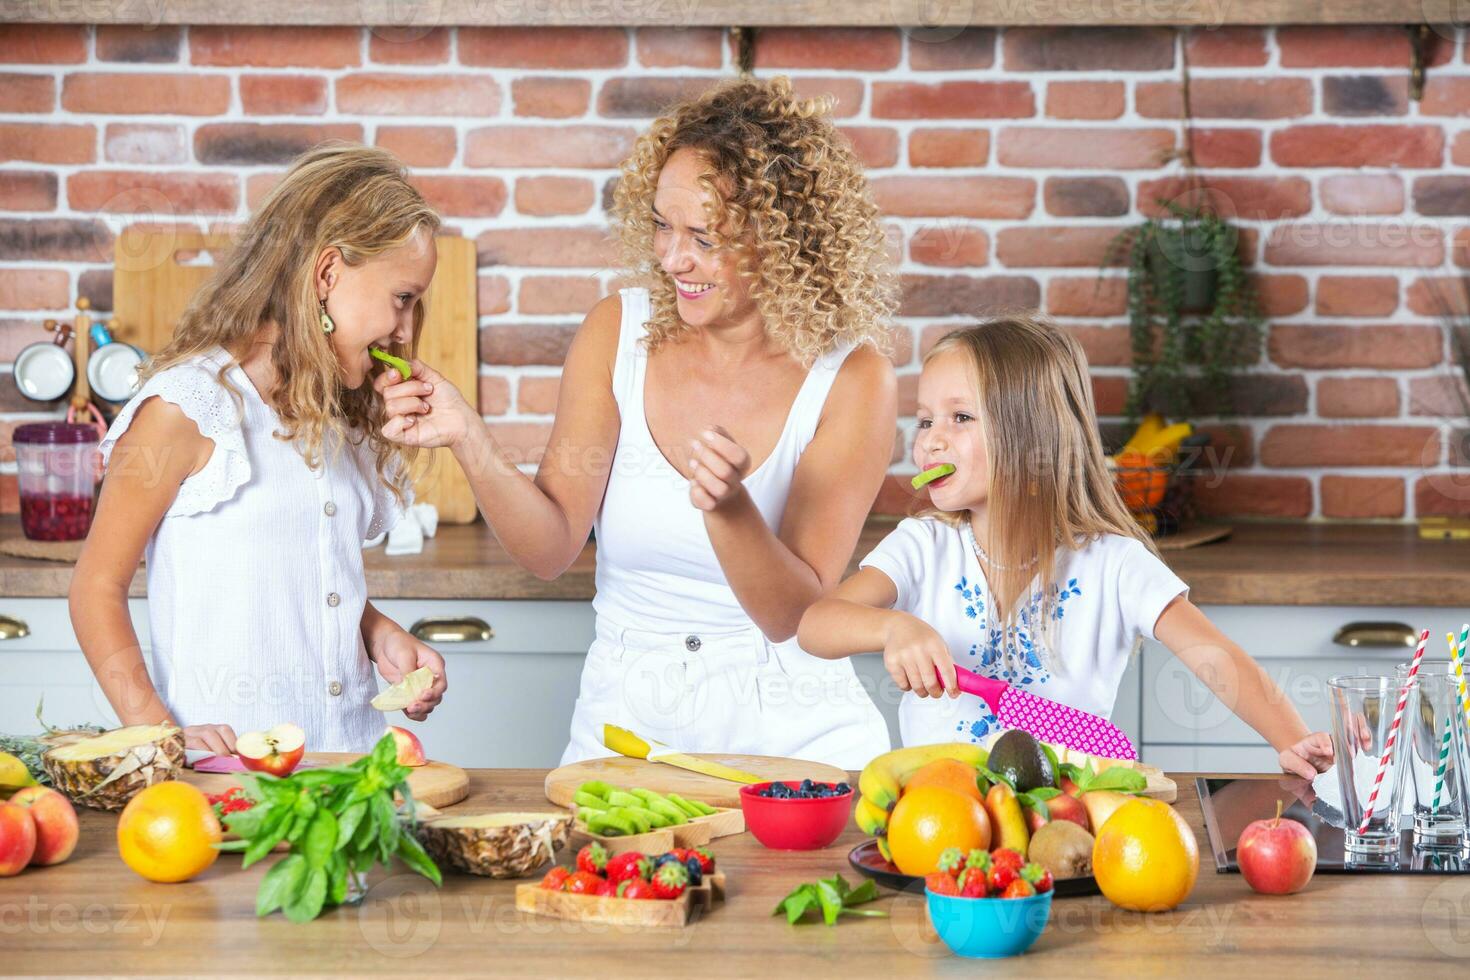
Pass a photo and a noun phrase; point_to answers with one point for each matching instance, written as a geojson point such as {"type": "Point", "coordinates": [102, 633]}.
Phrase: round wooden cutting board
{"type": "Point", "coordinates": [436, 783]}
{"type": "Point", "coordinates": [620, 771]}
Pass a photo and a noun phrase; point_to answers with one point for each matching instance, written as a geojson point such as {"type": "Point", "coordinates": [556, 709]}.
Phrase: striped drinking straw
{"type": "Point", "coordinates": [1393, 731]}
{"type": "Point", "coordinates": [1464, 703]}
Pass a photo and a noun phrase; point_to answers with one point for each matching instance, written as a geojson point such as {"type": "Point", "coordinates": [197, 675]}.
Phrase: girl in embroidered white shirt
{"type": "Point", "coordinates": [1028, 568]}
{"type": "Point", "coordinates": [250, 468]}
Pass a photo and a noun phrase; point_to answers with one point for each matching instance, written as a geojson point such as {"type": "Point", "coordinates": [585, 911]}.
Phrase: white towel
{"type": "Point", "coordinates": [407, 536]}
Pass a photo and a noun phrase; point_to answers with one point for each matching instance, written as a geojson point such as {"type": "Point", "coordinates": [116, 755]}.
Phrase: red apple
{"type": "Point", "coordinates": [276, 751]}
{"type": "Point", "coordinates": [1277, 857]}
{"type": "Point", "coordinates": [57, 828]}
{"type": "Point", "coordinates": [17, 839]}
{"type": "Point", "coordinates": [1068, 787]}
{"type": "Point", "coordinates": [1064, 807]}
{"type": "Point", "coordinates": [410, 749]}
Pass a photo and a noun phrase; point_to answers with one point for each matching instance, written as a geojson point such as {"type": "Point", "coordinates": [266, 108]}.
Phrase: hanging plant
{"type": "Point", "coordinates": [1193, 316]}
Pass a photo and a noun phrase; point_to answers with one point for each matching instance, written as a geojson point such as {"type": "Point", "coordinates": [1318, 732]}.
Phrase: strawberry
{"type": "Point", "coordinates": [940, 883]}
{"type": "Point", "coordinates": [606, 888]}
{"type": "Point", "coordinates": [1038, 877]}
{"type": "Point", "coordinates": [635, 888]}
{"type": "Point", "coordinates": [670, 880]}
{"type": "Point", "coordinates": [582, 883]}
{"type": "Point", "coordinates": [1020, 888]}
{"type": "Point", "coordinates": [1001, 876]}
{"type": "Point", "coordinates": [978, 858]}
{"type": "Point", "coordinates": [952, 861]}
{"type": "Point", "coordinates": [630, 864]}
{"type": "Point", "coordinates": [972, 883]}
{"type": "Point", "coordinates": [592, 858]}
{"type": "Point", "coordinates": [1004, 856]}
{"type": "Point", "coordinates": [555, 879]}
{"type": "Point", "coordinates": [706, 859]}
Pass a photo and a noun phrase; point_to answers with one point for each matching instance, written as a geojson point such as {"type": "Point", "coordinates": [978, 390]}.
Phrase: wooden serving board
{"type": "Point", "coordinates": [532, 898]}
{"type": "Point", "coordinates": [156, 274]}
{"type": "Point", "coordinates": [699, 830]}
{"type": "Point", "coordinates": [1160, 787]}
{"type": "Point", "coordinates": [625, 773]}
{"type": "Point", "coordinates": [436, 783]}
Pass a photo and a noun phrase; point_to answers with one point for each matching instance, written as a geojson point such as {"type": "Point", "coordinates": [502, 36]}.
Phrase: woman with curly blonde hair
{"type": "Point", "coordinates": [250, 467]}
{"type": "Point", "coordinates": [724, 426]}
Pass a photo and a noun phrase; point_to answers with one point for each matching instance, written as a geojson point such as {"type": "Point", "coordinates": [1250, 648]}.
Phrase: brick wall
{"type": "Point", "coordinates": [1006, 160]}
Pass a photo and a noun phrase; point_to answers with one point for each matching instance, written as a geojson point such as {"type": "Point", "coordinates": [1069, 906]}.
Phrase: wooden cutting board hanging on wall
{"type": "Point", "coordinates": [156, 274]}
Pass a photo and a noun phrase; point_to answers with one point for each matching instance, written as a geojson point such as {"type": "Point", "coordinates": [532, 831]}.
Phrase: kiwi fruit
{"type": "Point", "coordinates": [1063, 848]}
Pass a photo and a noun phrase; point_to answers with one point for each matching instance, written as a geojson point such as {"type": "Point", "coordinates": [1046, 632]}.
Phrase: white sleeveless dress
{"type": "Point", "coordinates": [255, 578]}
{"type": "Point", "coordinates": [675, 657]}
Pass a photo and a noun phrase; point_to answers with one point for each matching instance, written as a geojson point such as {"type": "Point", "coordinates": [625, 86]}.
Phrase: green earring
{"type": "Point", "coordinates": [327, 325]}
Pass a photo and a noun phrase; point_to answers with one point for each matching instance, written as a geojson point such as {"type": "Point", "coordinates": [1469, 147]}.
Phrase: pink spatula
{"type": "Point", "coordinates": [1046, 719]}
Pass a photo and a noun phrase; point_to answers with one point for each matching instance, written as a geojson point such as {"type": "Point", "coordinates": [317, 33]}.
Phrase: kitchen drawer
{"type": "Point", "coordinates": [1210, 758]}
{"type": "Point", "coordinates": [1294, 644]}
{"type": "Point", "coordinates": [49, 622]}
{"type": "Point", "coordinates": [523, 626]}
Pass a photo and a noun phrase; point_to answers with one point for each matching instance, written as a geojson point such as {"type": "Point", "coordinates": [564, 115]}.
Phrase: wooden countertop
{"type": "Point", "coordinates": [1293, 564]}
{"type": "Point", "coordinates": [92, 915]}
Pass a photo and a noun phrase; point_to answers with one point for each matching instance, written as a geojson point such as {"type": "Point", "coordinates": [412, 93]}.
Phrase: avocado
{"type": "Point", "coordinates": [1019, 757]}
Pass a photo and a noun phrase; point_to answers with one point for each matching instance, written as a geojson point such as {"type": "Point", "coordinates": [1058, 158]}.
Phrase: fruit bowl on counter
{"type": "Point", "coordinates": [791, 816]}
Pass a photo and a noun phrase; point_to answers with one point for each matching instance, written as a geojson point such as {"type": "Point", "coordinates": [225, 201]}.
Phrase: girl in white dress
{"type": "Point", "coordinates": [250, 469]}
{"type": "Point", "coordinates": [1028, 568]}
{"type": "Point", "coordinates": [725, 425]}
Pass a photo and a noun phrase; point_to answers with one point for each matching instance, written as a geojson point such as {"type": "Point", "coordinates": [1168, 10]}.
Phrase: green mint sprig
{"type": "Point", "coordinates": [832, 897]}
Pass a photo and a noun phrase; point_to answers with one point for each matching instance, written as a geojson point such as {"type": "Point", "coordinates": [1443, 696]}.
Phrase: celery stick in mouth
{"type": "Point", "coordinates": [391, 361]}
{"type": "Point", "coordinates": [931, 474]}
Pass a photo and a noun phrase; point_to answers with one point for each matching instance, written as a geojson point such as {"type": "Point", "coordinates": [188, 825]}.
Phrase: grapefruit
{"type": "Point", "coordinates": [1145, 857]}
{"type": "Point", "coordinates": [951, 774]}
{"type": "Point", "coordinates": [930, 819]}
{"type": "Point", "coordinates": [168, 832]}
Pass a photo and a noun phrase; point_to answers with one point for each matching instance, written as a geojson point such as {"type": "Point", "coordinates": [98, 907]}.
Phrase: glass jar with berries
{"type": "Point", "coordinates": [57, 463]}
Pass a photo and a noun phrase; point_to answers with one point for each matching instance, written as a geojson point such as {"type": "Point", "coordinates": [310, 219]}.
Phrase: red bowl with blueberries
{"type": "Point", "coordinates": [789, 816]}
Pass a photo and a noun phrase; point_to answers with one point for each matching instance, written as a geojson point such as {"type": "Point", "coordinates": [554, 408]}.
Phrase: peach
{"type": "Point", "coordinates": [17, 839]}
{"type": "Point", "coordinates": [57, 828]}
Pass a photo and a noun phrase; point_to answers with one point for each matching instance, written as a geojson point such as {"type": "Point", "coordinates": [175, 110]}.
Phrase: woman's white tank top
{"type": "Point", "coordinates": [656, 568]}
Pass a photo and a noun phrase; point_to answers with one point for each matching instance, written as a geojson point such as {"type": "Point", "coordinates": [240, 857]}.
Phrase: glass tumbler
{"type": "Point", "coordinates": [1435, 759]}
{"type": "Point", "coordinates": [1362, 713]}
{"type": "Point", "coordinates": [57, 464]}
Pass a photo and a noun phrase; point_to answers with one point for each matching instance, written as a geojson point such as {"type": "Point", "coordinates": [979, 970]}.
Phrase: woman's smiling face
{"type": "Point", "coordinates": [950, 431]}
{"type": "Point", "coordinates": [709, 287]}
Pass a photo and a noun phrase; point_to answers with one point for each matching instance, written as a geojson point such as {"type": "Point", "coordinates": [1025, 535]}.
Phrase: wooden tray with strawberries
{"type": "Point", "coordinates": [698, 831]}
{"type": "Point", "coordinates": [677, 912]}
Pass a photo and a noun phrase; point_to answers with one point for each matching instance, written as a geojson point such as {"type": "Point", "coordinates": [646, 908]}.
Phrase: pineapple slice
{"type": "Point", "coordinates": [496, 845]}
{"type": "Point", "coordinates": [406, 691]}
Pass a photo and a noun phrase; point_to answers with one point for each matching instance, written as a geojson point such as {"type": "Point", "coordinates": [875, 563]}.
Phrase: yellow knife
{"type": "Point", "coordinates": [624, 742]}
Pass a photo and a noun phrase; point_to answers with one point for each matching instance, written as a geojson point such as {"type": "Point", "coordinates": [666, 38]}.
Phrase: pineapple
{"type": "Point", "coordinates": [107, 770]}
{"type": "Point", "coordinates": [497, 845]}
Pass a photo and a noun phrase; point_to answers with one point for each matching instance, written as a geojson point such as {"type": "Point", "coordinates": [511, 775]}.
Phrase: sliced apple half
{"type": "Point", "coordinates": [276, 751]}
{"type": "Point", "coordinates": [410, 749]}
{"type": "Point", "coordinates": [406, 691]}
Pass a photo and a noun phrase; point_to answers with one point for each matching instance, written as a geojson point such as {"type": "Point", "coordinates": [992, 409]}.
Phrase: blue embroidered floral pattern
{"type": "Point", "coordinates": [1011, 655]}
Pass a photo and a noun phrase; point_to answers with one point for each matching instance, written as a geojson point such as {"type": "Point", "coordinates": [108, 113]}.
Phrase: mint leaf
{"type": "Point", "coordinates": [281, 882]}
{"type": "Point", "coordinates": [831, 901]}
{"type": "Point", "coordinates": [866, 892]}
{"type": "Point", "coordinates": [1121, 779]}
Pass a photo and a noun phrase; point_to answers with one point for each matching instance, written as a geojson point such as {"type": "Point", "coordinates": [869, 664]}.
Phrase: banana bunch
{"type": "Point", "coordinates": [881, 781]}
{"type": "Point", "coordinates": [13, 775]}
{"type": "Point", "coordinates": [1153, 443]}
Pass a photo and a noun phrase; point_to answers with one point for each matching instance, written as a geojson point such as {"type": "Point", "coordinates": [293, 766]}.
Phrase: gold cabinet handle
{"type": "Point", "coordinates": [470, 629]}
{"type": "Point", "coordinates": [12, 628]}
{"type": "Point", "coordinates": [1376, 635]}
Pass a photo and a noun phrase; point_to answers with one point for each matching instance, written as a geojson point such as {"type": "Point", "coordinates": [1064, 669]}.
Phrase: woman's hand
{"type": "Point", "coordinates": [917, 658]}
{"type": "Point", "coordinates": [423, 411]}
{"type": "Point", "coordinates": [219, 739]}
{"type": "Point", "coordinates": [1310, 756]}
{"type": "Point", "coordinates": [399, 652]}
{"type": "Point", "coordinates": [717, 464]}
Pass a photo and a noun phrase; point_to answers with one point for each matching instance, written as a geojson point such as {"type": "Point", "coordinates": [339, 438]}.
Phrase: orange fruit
{"type": "Point", "coordinates": [951, 774]}
{"type": "Point", "coordinates": [1145, 857]}
{"type": "Point", "coordinates": [168, 832]}
{"type": "Point", "coordinates": [930, 819]}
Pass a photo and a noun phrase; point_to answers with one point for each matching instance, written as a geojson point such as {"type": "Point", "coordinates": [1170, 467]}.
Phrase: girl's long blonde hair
{"type": "Point", "coordinates": [345, 195]}
{"type": "Point", "coordinates": [790, 195]}
{"type": "Point", "coordinates": [1050, 486]}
